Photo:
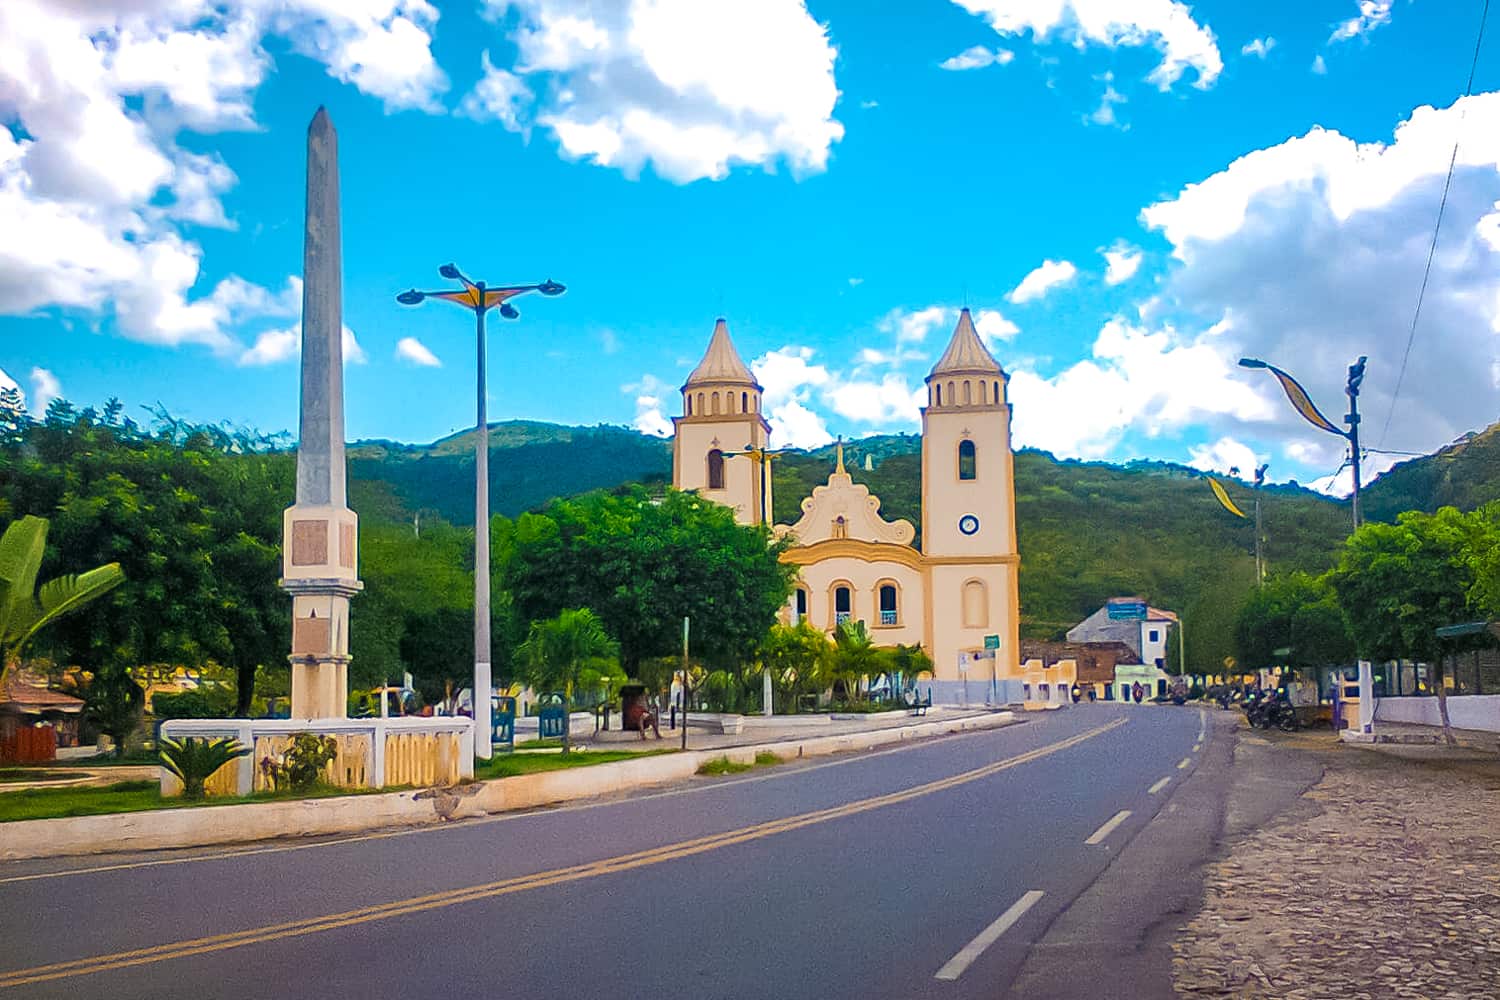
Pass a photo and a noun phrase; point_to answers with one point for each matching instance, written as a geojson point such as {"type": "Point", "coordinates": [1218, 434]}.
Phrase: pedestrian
{"type": "Point", "coordinates": [1091, 693]}
{"type": "Point", "coordinates": [1137, 692]}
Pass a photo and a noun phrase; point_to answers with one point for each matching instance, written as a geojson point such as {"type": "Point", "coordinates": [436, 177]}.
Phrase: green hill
{"type": "Point", "coordinates": [1087, 530]}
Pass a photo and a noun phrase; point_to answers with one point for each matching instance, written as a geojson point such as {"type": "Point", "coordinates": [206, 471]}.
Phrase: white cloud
{"type": "Point", "coordinates": [856, 282]}
{"type": "Point", "coordinates": [1047, 276]}
{"type": "Point", "coordinates": [993, 327]}
{"type": "Point", "coordinates": [413, 350]}
{"type": "Point", "coordinates": [1336, 234]}
{"type": "Point", "coordinates": [1224, 455]}
{"type": "Point", "coordinates": [1167, 25]}
{"type": "Point", "coordinates": [887, 401]}
{"type": "Point", "coordinates": [96, 194]}
{"type": "Point", "coordinates": [499, 96]}
{"type": "Point", "coordinates": [789, 378]}
{"type": "Point", "coordinates": [977, 57]}
{"type": "Point", "coordinates": [649, 393]}
{"type": "Point", "coordinates": [867, 105]}
{"type": "Point", "coordinates": [913, 326]}
{"type": "Point", "coordinates": [1259, 47]}
{"type": "Point", "coordinates": [44, 389]}
{"type": "Point", "coordinates": [793, 425]}
{"type": "Point", "coordinates": [609, 341]}
{"type": "Point", "coordinates": [274, 346]}
{"type": "Point", "coordinates": [1319, 65]}
{"type": "Point", "coordinates": [693, 89]}
{"type": "Point", "coordinates": [1104, 114]}
{"type": "Point", "coordinates": [1372, 14]}
{"type": "Point", "coordinates": [1121, 262]}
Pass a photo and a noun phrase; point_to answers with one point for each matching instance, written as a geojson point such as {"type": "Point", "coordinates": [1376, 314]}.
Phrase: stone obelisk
{"type": "Point", "coordinates": [319, 532]}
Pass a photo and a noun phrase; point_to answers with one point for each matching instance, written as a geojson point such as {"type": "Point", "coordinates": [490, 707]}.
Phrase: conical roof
{"type": "Point", "coordinates": [721, 362]}
{"type": "Point", "coordinates": [966, 352]}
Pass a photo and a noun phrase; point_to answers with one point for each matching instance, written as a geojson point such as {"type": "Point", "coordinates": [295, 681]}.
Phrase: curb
{"type": "Point", "coordinates": [202, 826]}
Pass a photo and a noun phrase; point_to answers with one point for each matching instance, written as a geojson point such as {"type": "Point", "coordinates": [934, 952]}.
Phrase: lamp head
{"type": "Point", "coordinates": [1253, 363]}
{"type": "Point", "coordinates": [449, 271]}
{"type": "Point", "coordinates": [410, 298]}
{"type": "Point", "coordinates": [509, 311]}
{"type": "Point", "coordinates": [550, 287]}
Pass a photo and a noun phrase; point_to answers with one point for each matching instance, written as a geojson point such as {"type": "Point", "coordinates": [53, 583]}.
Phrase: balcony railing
{"type": "Point", "coordinates": [840, 617]}
{"type": "Point", "coordinates": [888, 618]}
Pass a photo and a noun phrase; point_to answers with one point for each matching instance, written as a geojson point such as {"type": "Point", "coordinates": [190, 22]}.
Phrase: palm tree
{"type": "Point", "coordinates": [855, 657]}
{"type": "Point", "coordinates": [906, 664]}
{"type": "Point", "coordinates": [797, 657]}
{"type": "Point", "coordinates": [557, 648]}
{"type": "Point", "coordinates": [24, 610]}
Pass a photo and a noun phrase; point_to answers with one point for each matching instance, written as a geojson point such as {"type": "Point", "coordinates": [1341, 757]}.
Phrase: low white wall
{"type": "Point", "coordinates": [1465, 711]}
{"type": "Point", "coordinates": [207, 825]}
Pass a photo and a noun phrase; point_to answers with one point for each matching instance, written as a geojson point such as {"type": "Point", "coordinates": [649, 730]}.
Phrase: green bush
{"type": "Point", "coordinates": [766, 758]}
{"type": "Point", "coordinates": [195, 760]}
{"type": "Point", "coordinates": [301, 765]}
{"type": "Point", "coordinates": [203, 703]}
{"type": "Point", "coordinates": [723, 765]}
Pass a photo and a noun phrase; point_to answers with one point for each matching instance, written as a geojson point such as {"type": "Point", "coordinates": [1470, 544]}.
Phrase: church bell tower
{"type": "Point", "coordinates": [721, 419]}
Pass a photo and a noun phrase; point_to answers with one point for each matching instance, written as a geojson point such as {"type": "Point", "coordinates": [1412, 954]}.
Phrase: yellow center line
{"type": "Point", "coordinates": [521, 883]}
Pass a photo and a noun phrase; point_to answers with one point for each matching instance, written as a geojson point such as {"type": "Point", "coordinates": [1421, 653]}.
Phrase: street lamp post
{"type": "Point", "coordinates": [480, 299]}
{"type": "Point", "coordinates": [1304, 405]}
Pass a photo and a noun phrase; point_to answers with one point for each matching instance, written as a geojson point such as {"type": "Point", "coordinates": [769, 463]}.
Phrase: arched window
{"type": "Point", "coordinates": [952, 396]}
{"type": "Point", "coordinates": [744, 402]}
{"type": "Point", "coordinates": [800, 607]}
{"type": "Point", "coordinates": [939, 388]}
{"type": "Point", "coordinates": [716, 470]}
{"type": "Point", "coordinates": [967, 399]}
{"type": "Point", "coordinates": [713, 401]}
{"type": "Point", "coordinates": [888, 611]}
{"type": "Point", "coordinates": [967, 463]}
{"type": "Point", "coordinates": [843, 604]}
{"type": "Point", "coordinates": [997, 393]}
{"type": "Point", "coordinates": [689, 405]}
{"type": "Point", "coordinates": [976, 604]}
{"type": "Point", "coordinates": [840, 527]}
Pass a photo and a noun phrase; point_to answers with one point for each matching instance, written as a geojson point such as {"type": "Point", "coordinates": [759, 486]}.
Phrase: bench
{"type": "Point", "coordinates": [916, 706]}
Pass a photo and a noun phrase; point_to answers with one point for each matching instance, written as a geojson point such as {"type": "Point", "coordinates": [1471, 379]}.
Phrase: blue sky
{"type": "Point", "coordinates": [834, 177]}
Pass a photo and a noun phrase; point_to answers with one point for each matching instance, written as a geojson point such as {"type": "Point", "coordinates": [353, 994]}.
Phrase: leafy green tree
{"type": "Point", "coordinates": [195, 760]}
{"type": "Point", "coordinates": [797, 657]}
{"type": "Point", "coordinates": [438, 646]}
{"type": "Point", "coordinates": [1399, 583]}
{"type": "Point", "coordinates": [557, 649]}
{"type": "Point", "coordinates": [1296, 611]}
{"type": "Point", "coordinates": [643, 564]}
{"type": "Point", "coordinates": [24, 610]}
{"type": "Point", "coordinates": [1482, 553]}
{"type": "Point", "coordinates": [907, 664]}
{"type": "Point", "coordinates": [113, 703]}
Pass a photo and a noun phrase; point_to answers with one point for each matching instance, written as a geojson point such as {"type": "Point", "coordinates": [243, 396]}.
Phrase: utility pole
{"type": "Point", "coordinates": [1260, 562]}
{"type": "Point", "coordinates": [685, 623]}
{"type": "Point", "coordinates": [1351, 389]}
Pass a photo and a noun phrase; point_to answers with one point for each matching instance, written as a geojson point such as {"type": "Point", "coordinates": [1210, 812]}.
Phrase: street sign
{"type": "Point", "coordinates": [963, 663]}
{"type": "Point", "coordinates": [1127, 609]}
{"type": "Point", "coordinates": [992, 642]}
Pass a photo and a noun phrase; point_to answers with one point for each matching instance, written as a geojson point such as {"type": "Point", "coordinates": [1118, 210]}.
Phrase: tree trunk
{"type": "Point", "coordinates": [1442, 697]}
{"type": "Point", "coordinates": [567, 713]}
{"type": "Point", "coordinates": [244, 690]}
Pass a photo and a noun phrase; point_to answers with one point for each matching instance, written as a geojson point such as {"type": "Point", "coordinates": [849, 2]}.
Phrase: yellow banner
{"type": "Point", "coordinates": [1303, 402]}
{"type": "Point", "coordinates": [1224, 498]}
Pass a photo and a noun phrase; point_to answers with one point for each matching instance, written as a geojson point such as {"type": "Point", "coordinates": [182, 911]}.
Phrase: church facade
{"type": "Point", "coordinates": [956, 594]}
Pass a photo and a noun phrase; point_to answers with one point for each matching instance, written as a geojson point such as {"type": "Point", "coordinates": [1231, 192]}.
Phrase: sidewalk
{"type": "Point", "coordinates": [1383, 880]}
{"type": "Point", "coordinates": [758, 731]}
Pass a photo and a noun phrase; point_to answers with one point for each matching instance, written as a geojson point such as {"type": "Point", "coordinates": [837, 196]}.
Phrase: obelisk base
{"type": "Point", "coordinates": [320, 688]}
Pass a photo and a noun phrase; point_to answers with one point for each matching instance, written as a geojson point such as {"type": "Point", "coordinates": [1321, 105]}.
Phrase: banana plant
{"type": "Point", "coordinates": [25, 610]}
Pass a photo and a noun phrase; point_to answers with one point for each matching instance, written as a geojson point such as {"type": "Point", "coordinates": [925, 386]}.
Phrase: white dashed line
{"type": "Point", "coordinates": [958, 963]}
{"type": "Point", "coordinates": [1159, 785]}
{"type": "Point", "coordinates": [1097, 837]}
{"type": "Point", "coordinates": [1183, 763]}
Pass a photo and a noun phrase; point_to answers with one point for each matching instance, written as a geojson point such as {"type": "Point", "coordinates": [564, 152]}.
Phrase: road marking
{"type": "Point", "coordinates": [958, 963]}
{"type": "Point", "coordinates": [1183, 763]}
{"type": "Point", "coordinates": [1097, 837]}
{"type": "Point", "coordinates": [1197, 747]}
{"type": "Point", "coordinates": [1202, 725]}
{"type": "Point", "coordinates": [521, 883]}
{"type": "Point", "coordinates": [470, 822]}
{"type": "Point", "coordinates": [1159, 785]}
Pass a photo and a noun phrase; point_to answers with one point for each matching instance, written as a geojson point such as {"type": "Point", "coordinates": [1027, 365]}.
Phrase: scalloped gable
{"type": "Point", "coordinates": [843, 498]}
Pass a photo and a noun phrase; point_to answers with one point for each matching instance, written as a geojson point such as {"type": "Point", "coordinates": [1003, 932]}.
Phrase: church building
{"type": "Point", "coordinates": [956, 594]}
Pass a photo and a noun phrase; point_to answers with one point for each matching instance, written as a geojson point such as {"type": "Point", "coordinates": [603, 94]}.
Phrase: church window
{"type": "Point", "coordinates": [840, 527]}
{"type": "Point", "coordinates": [843, 604]}
{"type": "Point", "coordinates": [713, 401]}
{"type": "Point", "coordinates": [967, 461]}
{"type": "Point", "coordinates": [888, 614]}
{"type": "Point", "coordinates": [716, 470]}
{"type": "Point", "coordinates": [939, 388]}
{"type": "Point", "coordinates": [976, 600]}
{"type": "Point", "coordinates": [690, 405]}
{"type": "Point", "coordinates": [744, 402]}
{"type": "Point", "coordinates": [800, 606]}
{"type": "Point", "coordinates": [952, 396]}
{"type": "Point", "coordinates": [701, 410]}
{"type": "Point", "coordinates": [967, 394]}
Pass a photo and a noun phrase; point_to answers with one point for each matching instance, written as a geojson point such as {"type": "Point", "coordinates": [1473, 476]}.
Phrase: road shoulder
{"type": "Point", "coordinates": [1115, 939]}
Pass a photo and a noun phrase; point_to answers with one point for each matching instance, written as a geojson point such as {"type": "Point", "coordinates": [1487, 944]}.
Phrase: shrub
{"type": "Point", "coordinates": [722, 765]}
{"type": "Point", "coordinates": [766, 758]}
{"type": "Point", "coordinates": [195, 760]}
{"type": "Point", "coordinates": [207, 703]}
{"type": "Point", "coordinates": [301, 765]}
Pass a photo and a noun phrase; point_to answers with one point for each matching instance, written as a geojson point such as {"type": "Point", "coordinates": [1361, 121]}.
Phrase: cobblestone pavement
{"type": "Point", "coordinates": [1383, 881]}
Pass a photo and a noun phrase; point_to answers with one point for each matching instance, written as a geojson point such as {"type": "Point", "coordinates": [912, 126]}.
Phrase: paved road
{"type": "Point", "coordinates": [920, 872]}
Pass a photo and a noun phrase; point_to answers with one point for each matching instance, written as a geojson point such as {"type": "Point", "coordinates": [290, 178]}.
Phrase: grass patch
{"type": "Point", "coordinates": [137, 756]}
{"type": "Point", "coordinates": [766, 759]}
{"type": "Point", "coordinates": [18, 774]}
{"type": "Point", "coordinates": [723, 765]}
{"type": "Point", "coordinates": [136, 796]}
{"type": "Point", "coordinates": [553, 744]}
{"type": "Point", "coordinates": [510, 765]}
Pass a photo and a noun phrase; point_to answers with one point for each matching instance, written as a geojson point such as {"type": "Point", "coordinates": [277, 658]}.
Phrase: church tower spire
{"type": "Point", "coordinates": [721, 418]}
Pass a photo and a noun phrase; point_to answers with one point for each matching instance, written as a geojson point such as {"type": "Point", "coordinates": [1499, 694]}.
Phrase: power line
{"type": "Point", "coordinates": [1442, 206]}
